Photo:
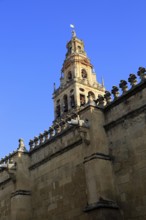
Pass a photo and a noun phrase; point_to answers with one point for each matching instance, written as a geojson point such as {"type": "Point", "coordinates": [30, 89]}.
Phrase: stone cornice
{"type": "Point", "coordinates": [97, 156]}
{"type": "Point", "coordinates": [81, 82]}
{"type": "Point", "coordinates": [69, 61]}
{"type": "Point", "coordinates": [56, 154]}
{"type": "Point", "coordinates": [21, 192]}
{"type": "Point", "coordinates": [102, 203]}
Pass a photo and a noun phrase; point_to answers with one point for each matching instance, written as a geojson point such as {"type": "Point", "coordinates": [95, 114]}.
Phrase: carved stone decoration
{"type": "Point", "coordinates": [41, 138]}
{"type": "Point", "coordinates": [115, 92]}
{"type": "Point", "coordinates": [51, 131]}
{"type": "Point", "coordinates": [21, 146]}
{"type": "Point", "coordinates": [123, 86]}
{"type": "Point", "coordinates": [132, 79]}
{"type": "Point", "coordinates": [46, 135]}
{"type": "Point", "coordinates": [142, 73]}
{"type": "Point", "coordinates": [36, 141]}
{"type": "Point", "coordinates": [100, 101]}
{"type": "Point", "coordinates": [57, 128]}
{"type": "Point", "coordinates": [107, 97]}
{"type": "Point", "coordinates": [31, 144]}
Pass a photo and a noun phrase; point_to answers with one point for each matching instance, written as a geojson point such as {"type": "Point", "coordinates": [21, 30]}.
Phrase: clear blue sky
{"type": "Point", "coordinates": [33, 37]}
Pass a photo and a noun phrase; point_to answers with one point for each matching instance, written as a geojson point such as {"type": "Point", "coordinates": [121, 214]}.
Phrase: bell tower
{"type": "Point", "coordinates": [78, 80]}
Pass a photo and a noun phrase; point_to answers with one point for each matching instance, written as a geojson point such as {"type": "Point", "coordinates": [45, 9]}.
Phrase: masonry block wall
{"type": "Point", "coordinates": [58, 187]}
{"type": "Point", "coordinates": [95, 169]}
{"type": "Point", "coordinates": [125, 127]}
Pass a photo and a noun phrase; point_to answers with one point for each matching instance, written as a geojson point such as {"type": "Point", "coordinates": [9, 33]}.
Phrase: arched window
{"type": "Point", "coordinates": [65, 103]}
{"type": "Point", "coordinates": [84, 74]}
{"type": "Point", "coordinates": [69, 75]}
{"type": "Point", "coordinates": [91, 94]}
{"type": "Point", "coordinates": [58, 109]}
{"type": "Point", "coordinates": [79, 49]}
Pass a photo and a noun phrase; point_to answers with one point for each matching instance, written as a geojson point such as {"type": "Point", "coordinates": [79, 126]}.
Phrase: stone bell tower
{"type": "Point", "coordinates": [78, 80]}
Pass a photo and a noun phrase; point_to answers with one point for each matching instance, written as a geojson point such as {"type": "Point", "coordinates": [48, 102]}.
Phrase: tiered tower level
{"type": "Point", "coordinates": [78, 80]}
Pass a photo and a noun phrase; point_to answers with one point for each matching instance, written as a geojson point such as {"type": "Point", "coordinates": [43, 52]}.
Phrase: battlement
{"type": "Point", "coordinates": [57, 128]}
{"type": "Point", "coordinates": [111, 97]}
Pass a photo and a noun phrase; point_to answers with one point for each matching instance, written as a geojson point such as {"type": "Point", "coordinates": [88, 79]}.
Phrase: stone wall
{"type": "Point", "coordinates": [125, 126]}
{"type": "Point", "coordinates": [91, 168]}
{"type": "Point", "coordinates": [58, 186]}
{"type": "Point", "coordinates": [70, 178]}
{"type": "Point", "coordinates": [5, 202]}
{"type": "Point", "coordinates": [58, 190]}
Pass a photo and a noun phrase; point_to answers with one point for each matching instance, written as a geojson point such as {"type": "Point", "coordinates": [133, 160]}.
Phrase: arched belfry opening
{"type": "Point", "coordinates": [72, 99]}
{"type": "Point", "coordinates": [65, 103]}
{"type": "Point", "coordinates": [82, 100]}
{"type": "Point", "coordinates": [69, 75]}
{"type": "Point", "coordinates": [84, 74]}
{"type": "Point", "coordinates": [58, 109]}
